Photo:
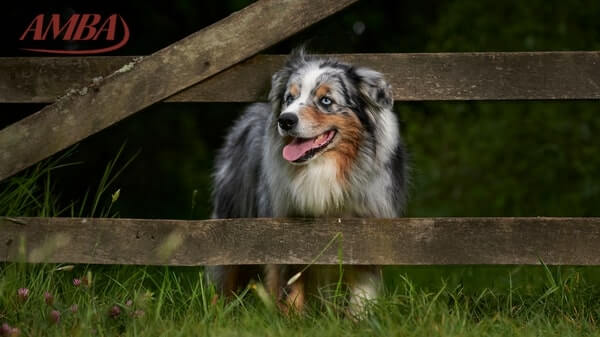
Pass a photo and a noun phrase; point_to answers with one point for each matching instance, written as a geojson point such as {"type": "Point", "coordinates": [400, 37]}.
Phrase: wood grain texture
{"type": "Point", "coordinates": [414, 77]}
{"type": "Point", "coordinates": [402, 241]}
{"type": "Point", "coordinates": [156, 77]}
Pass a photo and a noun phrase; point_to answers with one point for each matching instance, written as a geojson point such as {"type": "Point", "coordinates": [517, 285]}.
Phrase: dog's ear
{"type": "Point", "coordinates": [279, 80]}
{"type": "Point", "coordinates": [374, 89]}
{"type": "Point", "coordinates": [278, 83]}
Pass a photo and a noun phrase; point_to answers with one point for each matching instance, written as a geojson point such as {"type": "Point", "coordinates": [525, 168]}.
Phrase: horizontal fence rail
{"type": "Point", "coordinates": [414, 77]}
{"type": "Point", "coordinates": [402, 241]}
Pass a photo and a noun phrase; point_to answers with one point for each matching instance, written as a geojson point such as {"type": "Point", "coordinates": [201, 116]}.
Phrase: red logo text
{"type": "Point", "coordinates": [78, 27]}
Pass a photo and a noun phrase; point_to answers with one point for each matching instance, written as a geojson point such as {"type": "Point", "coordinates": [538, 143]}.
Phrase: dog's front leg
{"type": "Point", "coordinates": [289, 297]}
{"type": "Point", "coordinates": [365, 284]}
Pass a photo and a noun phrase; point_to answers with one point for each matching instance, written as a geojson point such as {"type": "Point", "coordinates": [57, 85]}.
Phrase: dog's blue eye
{"type": "Point", "coordinates": [326, 101]}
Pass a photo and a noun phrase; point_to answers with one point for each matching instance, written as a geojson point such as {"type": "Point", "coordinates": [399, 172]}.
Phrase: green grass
{"type": "Point", "coordinates": [176, 302]}
{"type": "Point", "coordinates": [168, 301]}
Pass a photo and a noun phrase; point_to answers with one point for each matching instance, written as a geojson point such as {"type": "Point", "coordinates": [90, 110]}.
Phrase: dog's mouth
{"type": "Point", "coordinates": [300, 150]}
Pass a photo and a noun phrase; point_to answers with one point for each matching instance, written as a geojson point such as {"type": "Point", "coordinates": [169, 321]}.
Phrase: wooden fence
{"type": "Point", "coordinates": [572, 241]}
{"type": "Point", "coordinates": [88, 94]}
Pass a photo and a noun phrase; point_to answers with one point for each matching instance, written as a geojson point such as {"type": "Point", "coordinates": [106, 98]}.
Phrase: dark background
{"type": "Point", "coordinates": [468, 158]}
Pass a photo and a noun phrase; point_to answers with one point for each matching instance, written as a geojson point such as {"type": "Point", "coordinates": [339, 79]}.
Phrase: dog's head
{"type": "Point", "coordinates": [326, 107]}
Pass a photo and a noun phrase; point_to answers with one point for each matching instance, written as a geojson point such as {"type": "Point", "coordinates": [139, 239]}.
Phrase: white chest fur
{"type": "Point", "coordinates": [315, 189]}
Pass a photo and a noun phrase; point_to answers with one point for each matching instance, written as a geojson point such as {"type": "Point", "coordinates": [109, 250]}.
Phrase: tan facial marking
{"type": "Point", "coordinates": [294, 90]}
{"type": "Point", "coordinates": [350, 133]}
{"type": "Point", "coordinates": [322, 91]}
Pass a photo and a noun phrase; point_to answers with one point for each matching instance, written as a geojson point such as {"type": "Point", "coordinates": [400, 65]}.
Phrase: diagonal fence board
{"type": "Point", "coordinates": [156, 77]}
{"type": "Point", "coordinates": [401, 241]}
{"type": "Point", "coordinates": [414, 77]}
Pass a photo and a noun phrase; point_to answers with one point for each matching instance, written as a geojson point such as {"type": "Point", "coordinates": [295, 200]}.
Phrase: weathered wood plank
{"type": "Point", "coordinates": [414, 77]}
{"type": "Point", "coordinates": [156, 77]}
{"type": "Point", "coordinates": [403, 241]}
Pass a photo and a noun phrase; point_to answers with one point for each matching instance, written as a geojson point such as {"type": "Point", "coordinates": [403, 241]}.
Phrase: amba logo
{"type": "Point", "coordinates": [77, 29]}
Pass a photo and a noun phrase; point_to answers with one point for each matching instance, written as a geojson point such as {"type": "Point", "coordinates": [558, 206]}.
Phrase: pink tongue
{"type": "Point", "coordinates": [298, 147]}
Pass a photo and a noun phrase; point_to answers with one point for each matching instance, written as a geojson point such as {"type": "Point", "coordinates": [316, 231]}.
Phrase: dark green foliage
{"type": "Point", "coordinates": [503, 159]}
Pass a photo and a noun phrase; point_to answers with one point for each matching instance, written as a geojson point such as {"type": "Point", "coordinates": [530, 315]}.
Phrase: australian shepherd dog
{"type": "Point", "coordinates": [327, 145]}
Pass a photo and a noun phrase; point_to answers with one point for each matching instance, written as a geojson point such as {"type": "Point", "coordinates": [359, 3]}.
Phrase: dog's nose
{"type": "Point", "coordinates": [287, 121]}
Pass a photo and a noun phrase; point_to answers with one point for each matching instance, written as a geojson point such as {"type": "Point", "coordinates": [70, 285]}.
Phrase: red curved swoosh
{"type": "Point", "coordinates": [88, 51]}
